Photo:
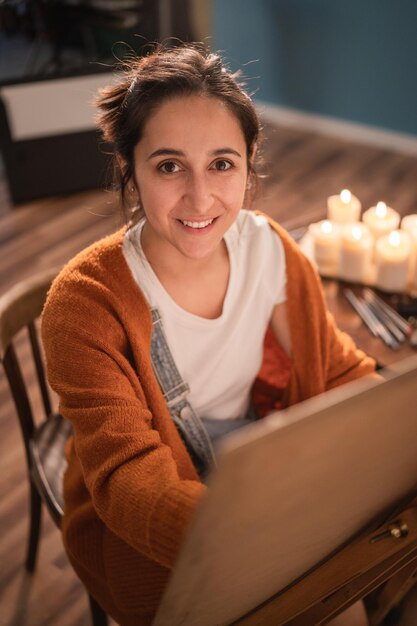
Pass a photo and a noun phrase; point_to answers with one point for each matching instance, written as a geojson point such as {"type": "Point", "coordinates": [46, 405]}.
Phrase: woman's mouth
{"type": "Point", "coordinates": [197, 225]}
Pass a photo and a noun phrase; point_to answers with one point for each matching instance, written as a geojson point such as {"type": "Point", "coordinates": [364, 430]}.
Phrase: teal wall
{"type": "Point", "coordinates": [348, 59]}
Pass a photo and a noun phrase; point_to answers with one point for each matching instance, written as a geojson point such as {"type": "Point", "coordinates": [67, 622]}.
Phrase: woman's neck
{"type": "Point", "coordinates": [199, 286]}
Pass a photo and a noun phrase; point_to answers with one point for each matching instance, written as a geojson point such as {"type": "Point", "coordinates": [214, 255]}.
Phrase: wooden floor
{"type": "Point", "coordinates": [303, 170]}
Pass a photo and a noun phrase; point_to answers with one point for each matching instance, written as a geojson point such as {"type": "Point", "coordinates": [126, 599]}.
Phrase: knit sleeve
{"type": "Point", "coordinates": [130, 473]}
{"type": "Point", "coordinates": [345, 361]}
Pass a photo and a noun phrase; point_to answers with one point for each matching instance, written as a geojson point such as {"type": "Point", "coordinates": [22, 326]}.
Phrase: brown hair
{"type": "Point", "coordinates": [148, 81]}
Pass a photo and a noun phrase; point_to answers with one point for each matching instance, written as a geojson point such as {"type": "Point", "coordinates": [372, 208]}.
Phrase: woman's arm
{"type": "Point", "coordinates": [129, 468]}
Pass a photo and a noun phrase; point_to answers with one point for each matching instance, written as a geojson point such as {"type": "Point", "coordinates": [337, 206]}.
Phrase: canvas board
{"type": "Point", "coordinates": [289, 490]}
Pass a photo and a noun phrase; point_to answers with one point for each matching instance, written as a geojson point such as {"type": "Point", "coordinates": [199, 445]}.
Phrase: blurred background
{"type": "Point", "coordinates": [336, 85]}
{"type": "Point", "coordinates": [345, 68]}
{"type": "Point", "coordinates": [351, 60]}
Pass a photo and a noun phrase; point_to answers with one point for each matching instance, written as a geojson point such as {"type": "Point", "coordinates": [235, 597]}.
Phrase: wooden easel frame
{"type": "Point", "coordinates": [335, 520]}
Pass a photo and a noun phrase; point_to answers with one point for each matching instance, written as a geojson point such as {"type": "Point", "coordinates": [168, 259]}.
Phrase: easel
{"type": "Point", "coordinates": [308, 511]}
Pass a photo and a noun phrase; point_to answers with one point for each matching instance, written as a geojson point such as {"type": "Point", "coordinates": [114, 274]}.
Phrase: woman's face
{"type": "Point", "coordinates": [191, 174]}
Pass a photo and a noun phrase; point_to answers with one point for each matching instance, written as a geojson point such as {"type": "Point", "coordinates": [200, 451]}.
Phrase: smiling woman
{"type": "Point", "coordinates": [196, 319]}
{"type": "Point", "coordinates": [191, 196]}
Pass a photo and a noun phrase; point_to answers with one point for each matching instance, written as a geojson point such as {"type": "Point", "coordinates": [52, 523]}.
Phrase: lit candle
{"type": "Point", "coordinates": [381, 219]}
{"type": "Point", "coordinates": [356, 247]}
{"type": "Point", "coordinates": [344, 208]}
{"type": "Point", "coordinates": [326, 245]}
{"type": "Point", "coordinates": [392, 261]}
{"type": "Point", "coordinates": [409, 225]}
{"type": "Point", "coordinates": [413, 272]}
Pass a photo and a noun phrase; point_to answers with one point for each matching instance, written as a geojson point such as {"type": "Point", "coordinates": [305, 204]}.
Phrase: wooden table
{"type": "Point", "coordinates": [349, 321]}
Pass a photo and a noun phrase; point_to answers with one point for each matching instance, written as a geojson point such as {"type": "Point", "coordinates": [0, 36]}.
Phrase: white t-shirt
{"type": "Point", "coordinates": [219, 358]}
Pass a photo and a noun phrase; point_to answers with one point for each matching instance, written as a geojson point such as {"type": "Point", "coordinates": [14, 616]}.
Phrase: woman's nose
{"type": "Point", "coordinates": [199, 194]}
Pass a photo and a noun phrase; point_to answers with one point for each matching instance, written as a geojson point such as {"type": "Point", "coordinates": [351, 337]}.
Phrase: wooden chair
{"type": "Point", "coordinates": [44, 439]}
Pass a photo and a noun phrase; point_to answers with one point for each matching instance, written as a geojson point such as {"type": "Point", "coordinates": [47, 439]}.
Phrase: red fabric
{"type": "Point", "coordinates": [273, 377]}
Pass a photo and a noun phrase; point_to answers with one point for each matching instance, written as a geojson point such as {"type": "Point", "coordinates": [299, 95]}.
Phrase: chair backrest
{"type": "Point", "coordinates": [19, 309]}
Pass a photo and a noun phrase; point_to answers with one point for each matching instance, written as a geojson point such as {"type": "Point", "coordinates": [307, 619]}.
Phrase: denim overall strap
{"type": "Point", "coordinates": [175, 392]}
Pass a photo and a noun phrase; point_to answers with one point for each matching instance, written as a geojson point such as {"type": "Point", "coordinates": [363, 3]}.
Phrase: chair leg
{"type": "Point", "coordinates": [35, 526]}
{"type": "Point", "coordinates": [98, 615]}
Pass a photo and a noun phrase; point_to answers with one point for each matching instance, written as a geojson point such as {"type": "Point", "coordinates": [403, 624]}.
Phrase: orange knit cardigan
{"type": "Point", "coordinates": [130, 488]}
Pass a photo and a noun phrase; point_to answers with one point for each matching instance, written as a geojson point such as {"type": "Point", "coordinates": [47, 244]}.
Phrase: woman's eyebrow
{"type": "Point", "coordinates": [226, 151]}
{"type": "Point", "coordinates": [166, 152]}
{"type": "Point", "coordinates": [172, 152]}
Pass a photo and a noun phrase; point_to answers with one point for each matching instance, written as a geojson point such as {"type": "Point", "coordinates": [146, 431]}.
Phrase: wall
{"type": "Point", "coordinates": [202, 19]}
{"type": "Point", "coordinates": [353, 60]}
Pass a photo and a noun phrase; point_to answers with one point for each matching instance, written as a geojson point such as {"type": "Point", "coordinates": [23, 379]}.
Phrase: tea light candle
{"type": "Point", "coordinates": [413, 271]}
{"type": "Point", "coordinates": [409, 225]}
{"type": "Point", "coordinates": [326, 245]}
{"type": "Point", "coordinates": [344, 208]}
{"type": "Point", "coordinates": [356, 247]}
{"type": "Point", "coordinates": [381, 219]}
{"type": "Point", "coordinates": [392, 260]}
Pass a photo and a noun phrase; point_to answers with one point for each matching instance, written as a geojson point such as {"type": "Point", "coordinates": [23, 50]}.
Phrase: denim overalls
{"type": "Point", "coordinates": [199, 435]}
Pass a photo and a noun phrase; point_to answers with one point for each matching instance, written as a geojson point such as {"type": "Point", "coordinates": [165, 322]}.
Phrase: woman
{"type": "Point", "coordinates": [155, 336]}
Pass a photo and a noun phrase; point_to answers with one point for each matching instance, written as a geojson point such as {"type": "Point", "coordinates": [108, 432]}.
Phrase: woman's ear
{"type": "Point", "coordinates": [122, 165]}
{"type": "Point", "coordinates": [134, 191]}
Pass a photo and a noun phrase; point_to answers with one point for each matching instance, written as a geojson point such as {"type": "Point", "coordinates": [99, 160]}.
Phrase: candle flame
{"type": "Point", "coordinates": [381, 210]}
{"type": "Point", "coordinates": [356, 232]}
{"type": "Point", "coordinates": [345, 196]}
{"type": "Point", "coordinates": [394, 238]}
{"type": "Point", "coordinates": [326, 227]}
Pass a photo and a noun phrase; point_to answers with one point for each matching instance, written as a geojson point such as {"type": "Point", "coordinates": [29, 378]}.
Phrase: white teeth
{"type": "Point", "coordinates": [197, 224]}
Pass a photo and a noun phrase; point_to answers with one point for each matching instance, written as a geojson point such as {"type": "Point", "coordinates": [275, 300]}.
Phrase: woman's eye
{"type": "Point", "coordinates": [221, 165]}
{"type": "Point", "coordinates": [169, 167]}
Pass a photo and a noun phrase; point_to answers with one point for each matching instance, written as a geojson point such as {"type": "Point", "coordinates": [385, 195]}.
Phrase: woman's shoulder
{"type": "Point", "coordinates": [260, 234]}
{"type": "Point", "coordinates": [93, 262]}
{"type": "Point", "coordinates": [290, 247]}
{"type": "Point", "coordinates": [257, 223]}
{"type": "Point", "coordinates": [98, 254]}
{"type": "Point", "coordinates": [275, 242]}
{"type": "Point", "coordinates": [97, 275]}
{"type": "Point", "coordinates": [94, 299]}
